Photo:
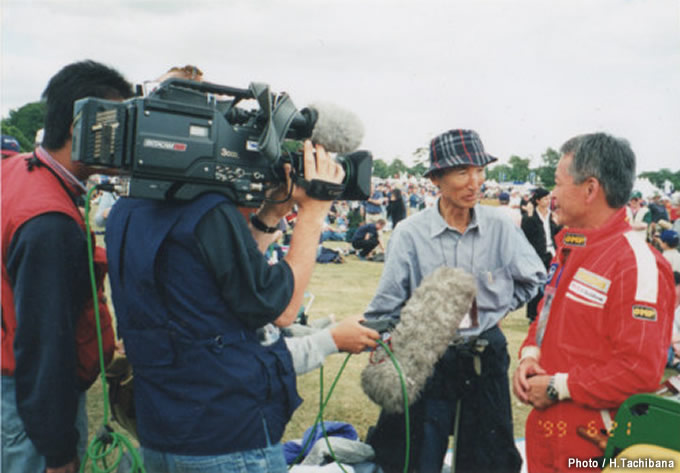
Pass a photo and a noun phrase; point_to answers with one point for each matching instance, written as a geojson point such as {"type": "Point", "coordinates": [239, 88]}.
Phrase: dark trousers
{"type": "Point", "coordinates": [485, 437]}
{"type": "Point", "coordinates": [366, 246]}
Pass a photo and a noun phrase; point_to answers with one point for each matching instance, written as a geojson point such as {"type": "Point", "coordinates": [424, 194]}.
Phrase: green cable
{"type": "Point", "coordinates": [323, 427]}
{"type": "Point", "coordinates": [407, 425]}
{"type": "Point", "coordinates": [323, 404]}
{"type": "Point", "coordinates": [321, 409]}
{"type": "Point", "coordinates": [106, 442]}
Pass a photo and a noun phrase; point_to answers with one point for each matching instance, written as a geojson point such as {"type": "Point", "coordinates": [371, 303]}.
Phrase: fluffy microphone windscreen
{"type": "Point", "coordinates": [337, 129]}
{"type": "Point", "coordinates": [428, 324]}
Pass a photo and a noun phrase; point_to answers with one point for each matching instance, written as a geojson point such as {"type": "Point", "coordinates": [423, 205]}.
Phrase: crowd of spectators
{"type": "Point", "coordinates": [654, 218]}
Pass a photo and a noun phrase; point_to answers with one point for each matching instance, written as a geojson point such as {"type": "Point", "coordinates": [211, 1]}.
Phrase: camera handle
{"type": "Point", "coordinates": [318, 189]}
{"type": "Point", "coordinates": [279, 111]}
{"type": "Point", "coordinates": [278, 119]}
{"type": "Point", "coordinates": [206, 87]}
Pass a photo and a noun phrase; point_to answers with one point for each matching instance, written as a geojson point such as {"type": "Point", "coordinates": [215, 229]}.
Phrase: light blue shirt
{"type": "Point", "coordinates": [492, 248]}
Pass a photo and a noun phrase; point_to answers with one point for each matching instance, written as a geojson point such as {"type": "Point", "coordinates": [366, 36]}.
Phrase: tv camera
{"type": "Point", "coordinates": [187, 138]}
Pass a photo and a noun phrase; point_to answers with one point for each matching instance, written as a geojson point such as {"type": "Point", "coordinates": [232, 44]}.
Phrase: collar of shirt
{"type": "Point", "coordinates": [543, 219]}
{"type": "Point", "coordinates": [439, 225]}
{"type": "Point", "coordinates": [69, 179]}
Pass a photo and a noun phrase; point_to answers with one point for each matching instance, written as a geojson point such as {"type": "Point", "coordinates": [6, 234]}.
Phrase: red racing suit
{"type": "Point", "coordinates": [608, 328]}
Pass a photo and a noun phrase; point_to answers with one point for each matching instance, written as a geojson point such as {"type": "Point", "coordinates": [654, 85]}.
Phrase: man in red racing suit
{"type": "Point", "coordinates": [605, 317]}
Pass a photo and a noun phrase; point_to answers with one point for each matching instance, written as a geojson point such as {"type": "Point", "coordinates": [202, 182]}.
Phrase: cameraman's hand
{"type": "Point", "coordinates": [352, 337]}
{"type": "Point", "coordinates": [318, 165]}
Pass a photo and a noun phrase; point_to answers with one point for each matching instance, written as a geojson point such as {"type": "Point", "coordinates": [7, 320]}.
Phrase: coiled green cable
{"type": "Point", "coordinates": [107, 449]}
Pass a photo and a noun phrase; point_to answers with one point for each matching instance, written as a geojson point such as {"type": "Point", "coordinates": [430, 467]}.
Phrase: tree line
{"type": "Point", "coordinates": [519, 170]}
{"type": "Point", "coordinates": [24, 122]}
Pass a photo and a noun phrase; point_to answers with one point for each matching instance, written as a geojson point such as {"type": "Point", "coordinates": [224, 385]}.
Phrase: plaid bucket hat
{"type": "Point", "coordinates": [457, 148]}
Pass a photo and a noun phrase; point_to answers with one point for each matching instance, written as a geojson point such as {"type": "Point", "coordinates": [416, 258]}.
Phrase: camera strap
{"type": "Point", "coordinates": [318, 189]}
{"type": "Point", "coordinates": [278, 115]}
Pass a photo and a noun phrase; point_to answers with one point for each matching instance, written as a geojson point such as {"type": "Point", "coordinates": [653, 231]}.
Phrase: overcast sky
{"type": "Point", "coordinates": [526, 74]}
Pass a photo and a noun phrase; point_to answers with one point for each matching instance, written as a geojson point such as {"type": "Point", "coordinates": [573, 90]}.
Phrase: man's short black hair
{"type": "Point", "coordinates": [73, 82]}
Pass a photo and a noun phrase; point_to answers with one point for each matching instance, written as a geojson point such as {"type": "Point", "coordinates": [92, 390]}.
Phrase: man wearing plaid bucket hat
{"type": "Point", "coordinates": [471, 377]}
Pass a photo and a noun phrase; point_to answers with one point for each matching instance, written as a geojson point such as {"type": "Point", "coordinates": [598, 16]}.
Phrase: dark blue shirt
{"type": "Point", "coordinates": [47, 264]}
{"type": "Point", "coordinates": [363, 230]}
{"type": "Point", "coordinates": [256, 292]}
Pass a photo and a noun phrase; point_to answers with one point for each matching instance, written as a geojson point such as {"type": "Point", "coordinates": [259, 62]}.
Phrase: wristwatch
{"type": "Point", "coordinates": [551, 390]}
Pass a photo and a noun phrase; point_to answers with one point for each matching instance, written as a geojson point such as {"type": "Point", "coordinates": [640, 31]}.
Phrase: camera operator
{"type": "Point", "coordinates": [49, 351]}
{"type": "Point", "coordinates": [191, 287]}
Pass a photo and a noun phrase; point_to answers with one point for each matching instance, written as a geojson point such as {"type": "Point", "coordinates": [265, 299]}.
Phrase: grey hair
{"type": "Point", "coordinates": [608, 159]}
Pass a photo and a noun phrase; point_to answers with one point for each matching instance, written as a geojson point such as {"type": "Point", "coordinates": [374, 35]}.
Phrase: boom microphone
{"type": "Point", "coordinates": [428, 324]}
{"type": "Point", "coordinates": [336, 129]}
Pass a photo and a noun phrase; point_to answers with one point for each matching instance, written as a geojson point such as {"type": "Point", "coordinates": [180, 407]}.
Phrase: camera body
{"type": "Point", "coordinates": [187, 138]}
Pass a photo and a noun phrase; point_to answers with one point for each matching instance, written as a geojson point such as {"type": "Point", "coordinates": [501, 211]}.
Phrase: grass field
{"type": "Point", "coordinates": [344, 290]}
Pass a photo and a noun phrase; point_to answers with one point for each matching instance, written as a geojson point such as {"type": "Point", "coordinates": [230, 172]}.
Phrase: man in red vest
{"type": "Point", "coordinates": [49, 343]}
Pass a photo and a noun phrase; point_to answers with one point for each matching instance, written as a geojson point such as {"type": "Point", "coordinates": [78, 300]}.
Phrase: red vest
{"type": "Point", "coordinates": [25, 195]}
